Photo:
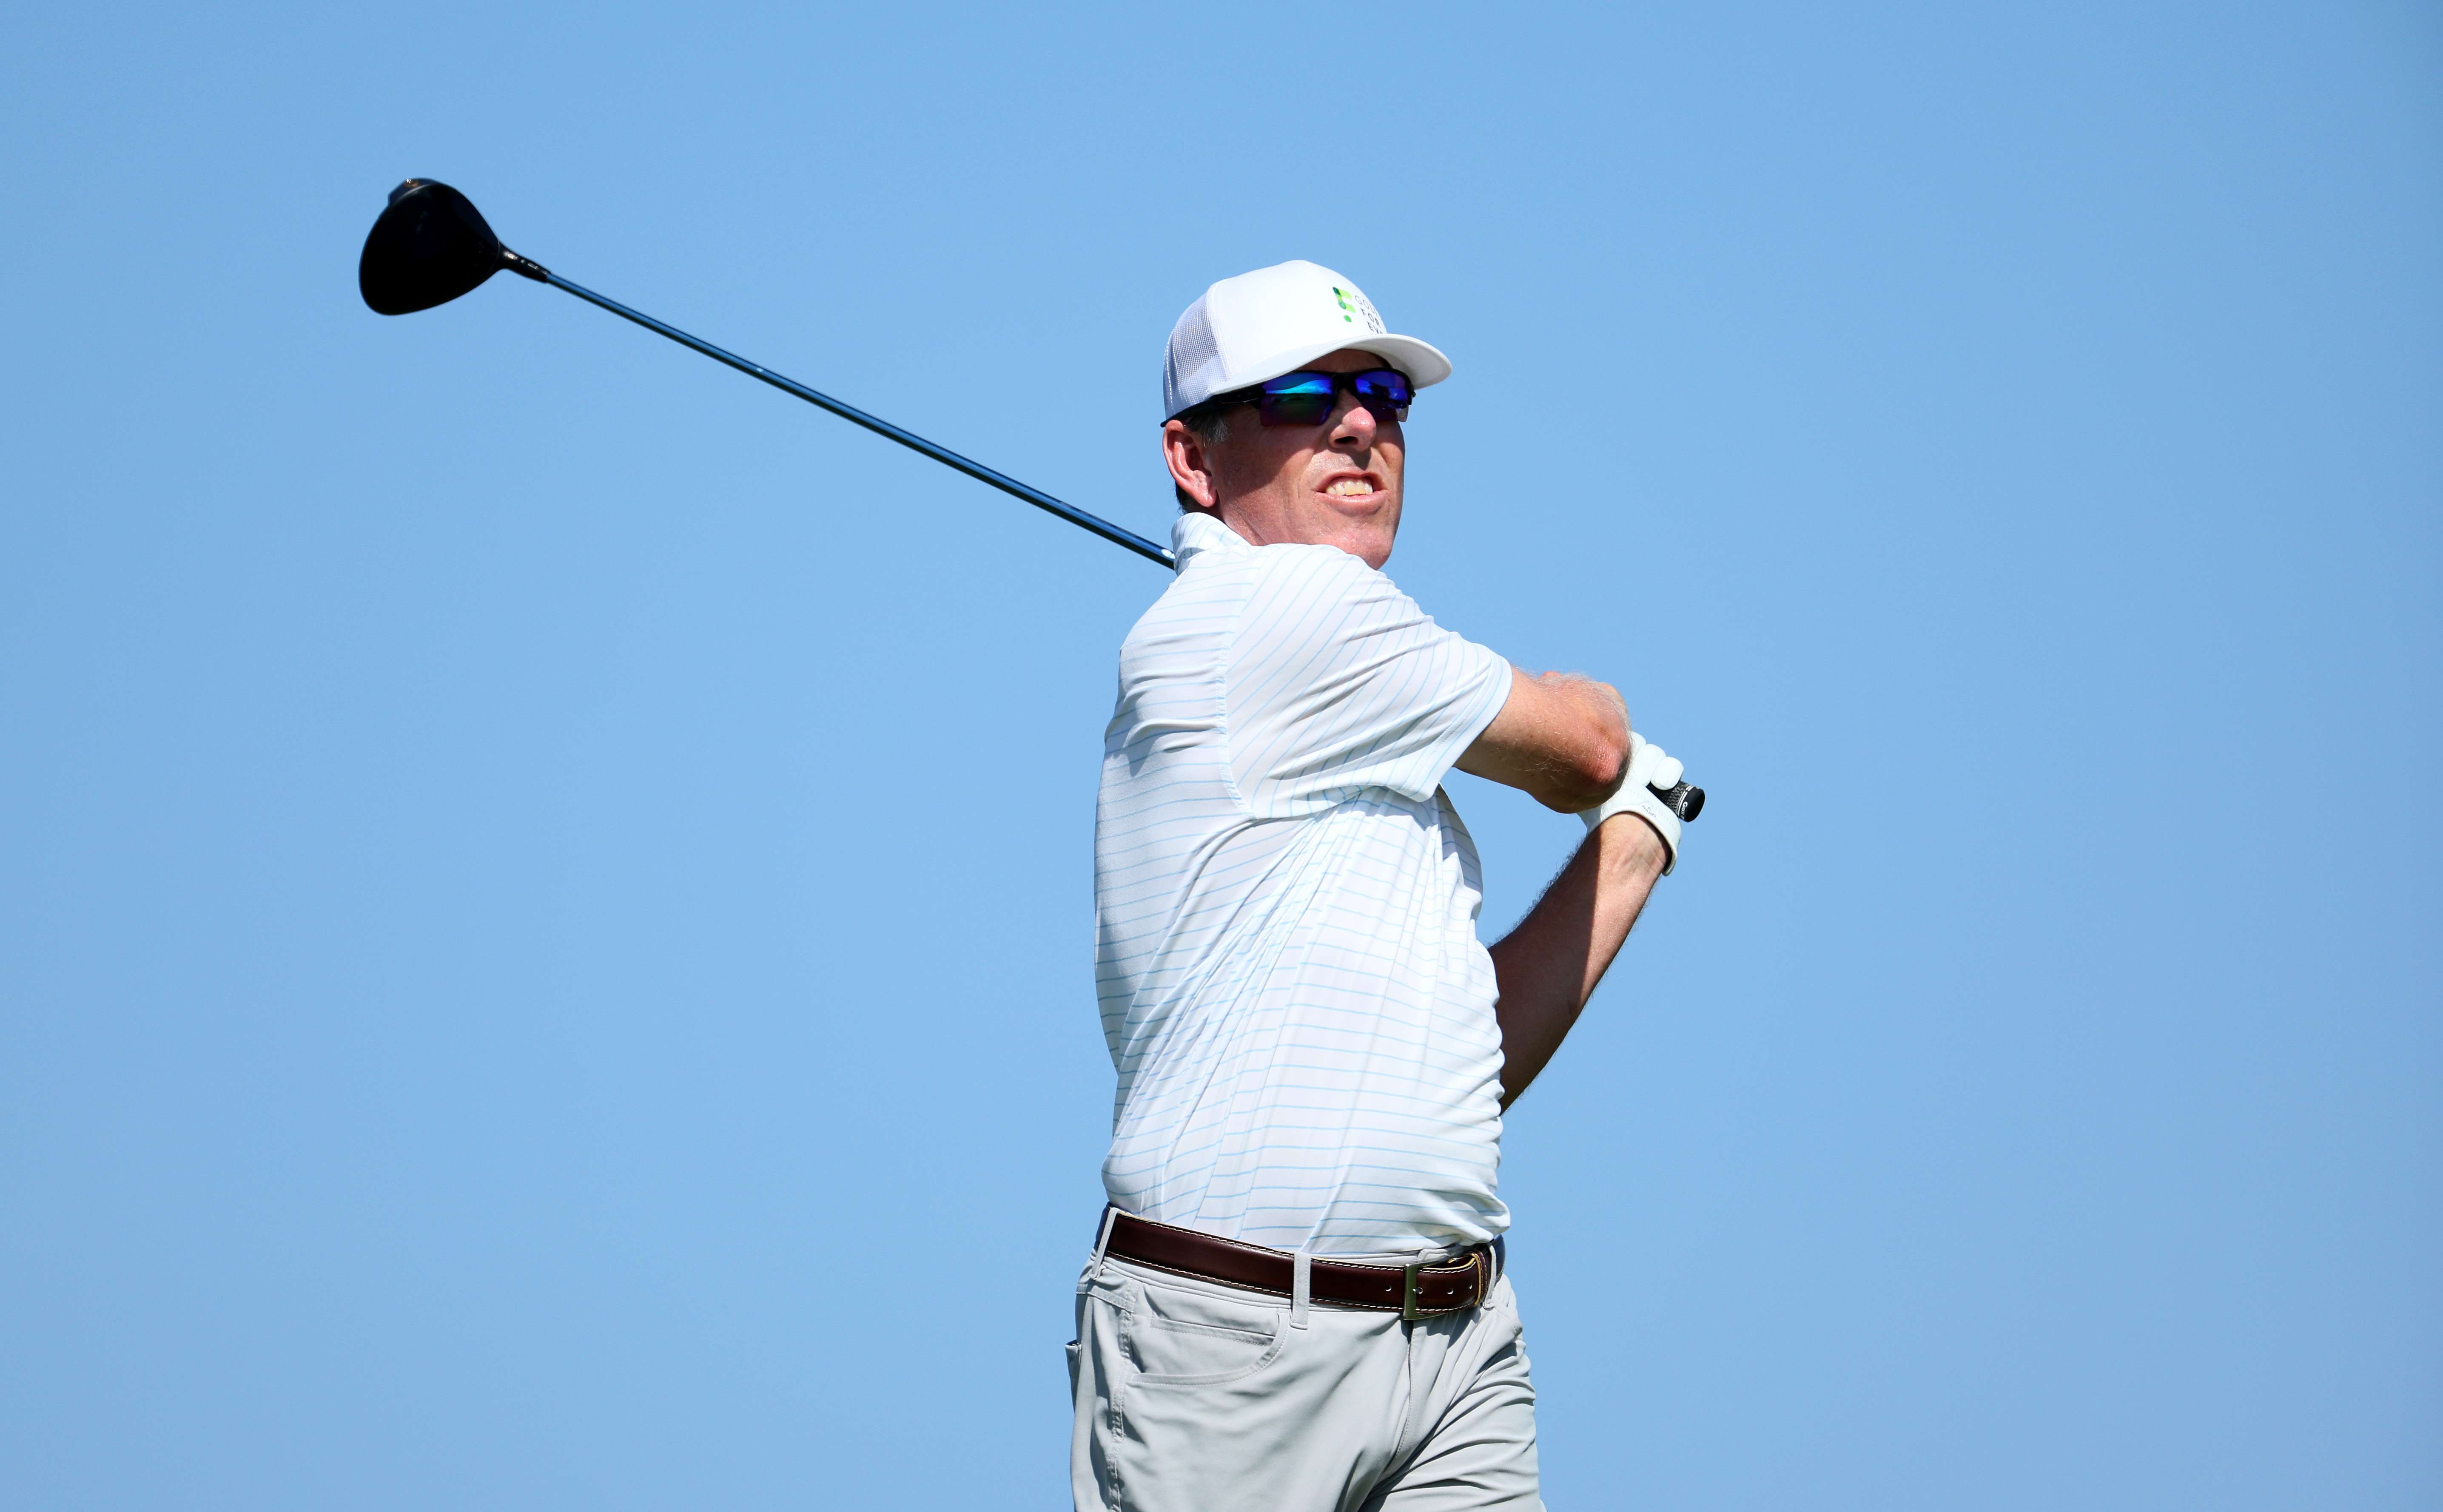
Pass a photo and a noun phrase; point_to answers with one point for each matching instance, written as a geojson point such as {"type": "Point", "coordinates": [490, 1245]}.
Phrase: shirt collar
{"type": "Point", "coordinates": [1196, 531]}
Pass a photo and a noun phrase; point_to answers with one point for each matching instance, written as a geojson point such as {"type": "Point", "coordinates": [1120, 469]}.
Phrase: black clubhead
{"type": "Point", "coordinates": [430, 247]}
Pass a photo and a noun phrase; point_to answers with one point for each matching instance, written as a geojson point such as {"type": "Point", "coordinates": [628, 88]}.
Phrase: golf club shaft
{"type": "Point", "coordinates": [1680, 800]}
{"type": "Point", "coordinates": [882, 428]}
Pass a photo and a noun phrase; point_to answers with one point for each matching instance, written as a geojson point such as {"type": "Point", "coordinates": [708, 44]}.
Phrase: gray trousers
{"type": "Point", "coordinates": [1198, 1398]}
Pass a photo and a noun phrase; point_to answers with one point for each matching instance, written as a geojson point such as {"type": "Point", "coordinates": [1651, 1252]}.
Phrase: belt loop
{"type": "Point", "coordinates": [1103, 1236]}
{"type": "Point", "coordinates": [1302, 1286]}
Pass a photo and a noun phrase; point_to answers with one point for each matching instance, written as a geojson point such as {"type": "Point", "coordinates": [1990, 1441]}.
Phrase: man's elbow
{"type": "Point", "coordinates": [1603, 759]}
{"type": "Point", "coordinates": [1593, 777]}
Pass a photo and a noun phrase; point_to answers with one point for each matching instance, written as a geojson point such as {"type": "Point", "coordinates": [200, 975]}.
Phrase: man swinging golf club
{"type": "Point", "coordinates": [1296, 1300]}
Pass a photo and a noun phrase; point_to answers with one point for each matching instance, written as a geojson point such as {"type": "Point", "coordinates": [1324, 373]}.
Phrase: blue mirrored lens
{"type": "Point", "coordinates": [1309, 399]}
{"type": "Point", "coordinates": [1385, 385]}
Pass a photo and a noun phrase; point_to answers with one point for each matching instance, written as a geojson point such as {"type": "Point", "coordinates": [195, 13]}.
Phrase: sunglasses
{"type": "Point", "coordinates": [1309, 399]}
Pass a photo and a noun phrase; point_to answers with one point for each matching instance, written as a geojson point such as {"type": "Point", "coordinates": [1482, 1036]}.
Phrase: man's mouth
{"type": "Point", "coordinates": [1350, 489]}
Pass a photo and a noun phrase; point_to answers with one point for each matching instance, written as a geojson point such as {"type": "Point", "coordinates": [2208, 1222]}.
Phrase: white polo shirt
{"type": "Point", "coordinates": [1285, 910]}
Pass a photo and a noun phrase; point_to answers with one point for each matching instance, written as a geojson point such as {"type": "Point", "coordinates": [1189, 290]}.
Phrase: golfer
{"type": "Point", "coordinates": [1296, 1300]}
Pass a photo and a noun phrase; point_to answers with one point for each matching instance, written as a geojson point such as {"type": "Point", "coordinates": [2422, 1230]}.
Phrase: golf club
{"type": "Point", "coordinates": [431, 244]}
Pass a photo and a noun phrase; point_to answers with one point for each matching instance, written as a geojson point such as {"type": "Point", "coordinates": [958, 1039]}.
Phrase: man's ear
{"type": "Point", "coordinates": [1192, 473]}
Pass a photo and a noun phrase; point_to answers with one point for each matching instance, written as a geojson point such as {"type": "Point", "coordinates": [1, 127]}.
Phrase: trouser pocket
{"type": "Point", "coordinates": [1173, 1351]}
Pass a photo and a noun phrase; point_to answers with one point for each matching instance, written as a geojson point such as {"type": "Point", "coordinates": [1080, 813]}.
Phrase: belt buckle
{"type": "Point", "coordinates": [1480, 1259]}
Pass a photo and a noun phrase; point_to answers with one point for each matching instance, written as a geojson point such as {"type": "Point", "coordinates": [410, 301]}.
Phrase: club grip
{"type": "Point", "coordinates": [1683, 800]}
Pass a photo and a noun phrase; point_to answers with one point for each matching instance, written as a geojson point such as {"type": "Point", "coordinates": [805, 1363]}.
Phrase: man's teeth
{"type": "Point", "coordinates": [1347, 486]}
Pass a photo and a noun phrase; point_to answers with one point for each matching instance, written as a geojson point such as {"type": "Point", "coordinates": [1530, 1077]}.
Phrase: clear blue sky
{"type": "Point", "coordinates": [545, 913]}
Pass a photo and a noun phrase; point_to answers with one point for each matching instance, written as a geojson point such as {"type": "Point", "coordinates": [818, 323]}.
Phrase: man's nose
{"type": "Point", "coordinates": [1352, 424]}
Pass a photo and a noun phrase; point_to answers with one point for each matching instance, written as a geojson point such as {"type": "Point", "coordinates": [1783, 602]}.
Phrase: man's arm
{"type": "Point", "coordinates": [1564, 740]}
{"type": "Point", "coordinates": [1548, 967]}
{"type": "Point", "coordinates": [1560, 739]}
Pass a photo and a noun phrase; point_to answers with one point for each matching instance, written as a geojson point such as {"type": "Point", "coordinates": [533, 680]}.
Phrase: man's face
{"type": "Point", "coordinates": [1332, 485]}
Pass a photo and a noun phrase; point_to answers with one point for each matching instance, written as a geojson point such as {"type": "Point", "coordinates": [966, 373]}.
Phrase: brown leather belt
{"type": "Point", "coordinates": [1412, 1291]}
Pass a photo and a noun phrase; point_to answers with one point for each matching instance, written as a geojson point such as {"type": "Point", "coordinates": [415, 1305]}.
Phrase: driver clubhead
{"type": "Point", "coordinates": [430, 247]}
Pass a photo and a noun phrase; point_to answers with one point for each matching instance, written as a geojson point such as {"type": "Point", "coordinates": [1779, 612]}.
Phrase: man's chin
{"type": "Point", "coordinates": [1360, 512]}
{"type": "Point", "coordinates": [1368, 540]}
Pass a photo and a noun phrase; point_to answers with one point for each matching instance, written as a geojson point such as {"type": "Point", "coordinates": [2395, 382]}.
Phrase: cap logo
{"type": "Point", "coordinates": [1353, 304]}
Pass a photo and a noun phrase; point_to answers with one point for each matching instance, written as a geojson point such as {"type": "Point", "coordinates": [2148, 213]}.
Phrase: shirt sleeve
{"type": "Point", "coordinates": [1338, 684]}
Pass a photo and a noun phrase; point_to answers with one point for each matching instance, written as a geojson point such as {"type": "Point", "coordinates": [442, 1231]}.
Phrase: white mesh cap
{"type": "Point", "coordinates": [1274, 321]}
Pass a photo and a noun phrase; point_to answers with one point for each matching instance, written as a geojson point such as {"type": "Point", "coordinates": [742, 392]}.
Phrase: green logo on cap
{"type": "Point", "coordinates": [1347, 311]}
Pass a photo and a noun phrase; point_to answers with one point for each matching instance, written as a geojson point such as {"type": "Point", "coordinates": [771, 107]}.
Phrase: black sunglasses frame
{"type": "Point", "coordinates": [1268, 404]}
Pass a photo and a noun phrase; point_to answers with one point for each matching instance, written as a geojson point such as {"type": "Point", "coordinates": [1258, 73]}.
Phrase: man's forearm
{"type": "Point", "coordinates": [1548, 967]}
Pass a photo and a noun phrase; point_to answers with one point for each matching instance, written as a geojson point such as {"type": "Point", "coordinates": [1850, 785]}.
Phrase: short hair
{"type": "Point", "coordinates": [1210, 425]}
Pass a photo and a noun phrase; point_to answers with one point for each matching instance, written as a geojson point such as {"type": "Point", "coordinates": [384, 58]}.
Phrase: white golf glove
{"type": "Point", "coordinates": [1647, 768]}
